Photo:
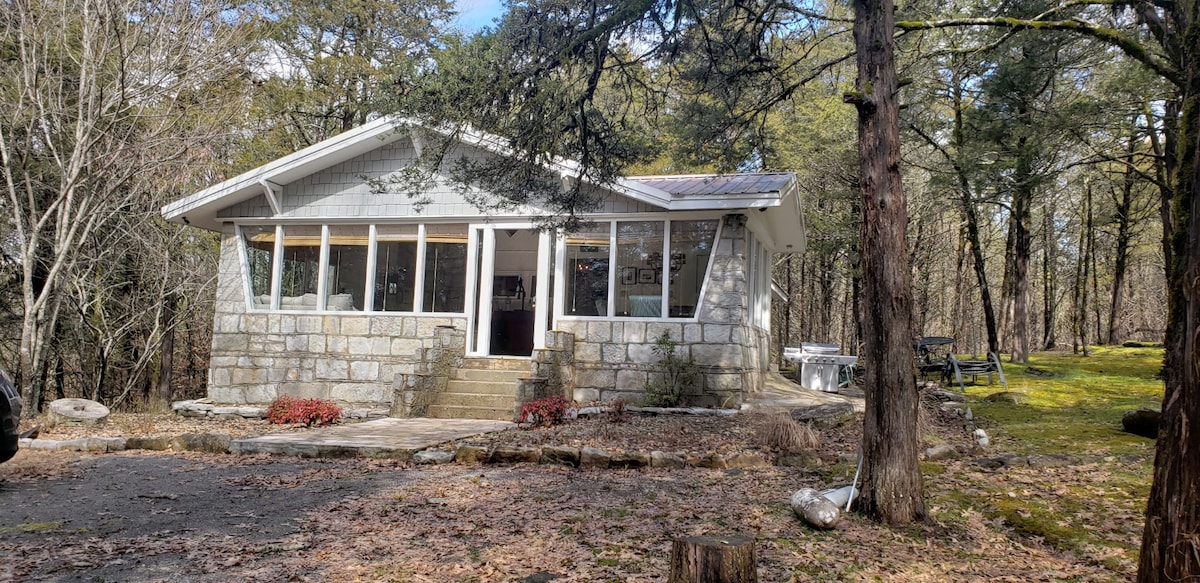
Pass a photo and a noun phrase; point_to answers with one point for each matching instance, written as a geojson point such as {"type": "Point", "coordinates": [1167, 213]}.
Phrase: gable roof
{"type": "Point", "coordinates": [671, 193]}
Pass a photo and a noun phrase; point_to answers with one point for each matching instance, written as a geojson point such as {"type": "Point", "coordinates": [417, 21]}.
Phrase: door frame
{"type": "Point", "coordinates": [483, 254]}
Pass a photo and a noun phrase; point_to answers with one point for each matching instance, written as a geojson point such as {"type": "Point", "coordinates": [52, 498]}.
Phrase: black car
{"type": "Point", "coordinates": [10, 417]}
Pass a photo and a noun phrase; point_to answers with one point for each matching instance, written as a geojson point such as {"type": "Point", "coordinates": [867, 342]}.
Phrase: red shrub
{"type": "Point", "coordinates": [287, 409]}
{"type": "Point", "coordinates": [545, 411]}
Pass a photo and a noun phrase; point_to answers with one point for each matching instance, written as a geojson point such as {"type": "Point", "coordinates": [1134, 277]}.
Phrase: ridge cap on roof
{"type": "Point", "coordinates": [708, 175]}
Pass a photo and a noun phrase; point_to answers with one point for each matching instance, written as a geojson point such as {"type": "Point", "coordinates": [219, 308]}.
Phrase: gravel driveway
{"type": "Point", "coordinates": [154, 512]}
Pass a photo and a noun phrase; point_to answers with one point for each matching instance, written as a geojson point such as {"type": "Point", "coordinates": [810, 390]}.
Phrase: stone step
{"type": "Point", "coordinates": [490, 375]}
{"type": "Point", "coordinates": [457, 412]}
{"type": "Point", "coordinates": [473, 400]}
{"type": "Point", "coordinates": [508, 388]}
{"type": "Point", "coordinates": [497, 363]}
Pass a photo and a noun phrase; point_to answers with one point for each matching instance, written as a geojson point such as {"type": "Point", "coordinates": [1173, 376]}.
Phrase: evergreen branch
{"type": "Point", "coordinates": [1111, 36]}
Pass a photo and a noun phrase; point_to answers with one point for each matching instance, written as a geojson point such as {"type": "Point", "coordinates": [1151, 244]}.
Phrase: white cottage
{"type": "Point", "coordinates": [330, 289]}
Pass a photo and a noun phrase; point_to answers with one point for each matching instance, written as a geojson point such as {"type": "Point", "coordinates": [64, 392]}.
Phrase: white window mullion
{"type": "Point", "coordinates": [277, 268]}
{"type": "Point", "coordinates": [665, 270]}
{"type": "Point", "coordinates": [474, 239]}
{"type": "Point", "coordinates": [612, 269]}
{"type": "Point", "coordinates": [541, 290]}
{"type": "Point", "coordinates": [560, 275]}
{"type": "Point", "coordinates": [487, 272]}
{"type": "Point", "coordinates": [372, 248]}
{"type": "Point", "coordinates": [419, 288]}
{"type": "Point", "coordinates": [323, 269]}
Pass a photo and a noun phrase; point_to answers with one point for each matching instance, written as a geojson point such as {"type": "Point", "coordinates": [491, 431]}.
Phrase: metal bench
{"type": "Point", "coordinates": [974, 369]}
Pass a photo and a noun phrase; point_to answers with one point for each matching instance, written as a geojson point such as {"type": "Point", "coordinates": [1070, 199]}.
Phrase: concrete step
{"type": "Point", "coordinates": [497, 363]}
{"type": "Point", "coordinates": [506, 388]}
{"type": "Point", "coordinates": [456, 399]}
{"type": "Point", "coordinates": [489, 375]}
{"type": "Point", "coordinates": [456, 412]}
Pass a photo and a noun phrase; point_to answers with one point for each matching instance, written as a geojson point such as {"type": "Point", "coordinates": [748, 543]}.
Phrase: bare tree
{"type": "Point", "coordinates": [105, 104]}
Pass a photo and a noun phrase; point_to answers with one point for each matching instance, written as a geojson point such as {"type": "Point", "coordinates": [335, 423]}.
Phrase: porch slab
{"type": "Point", "coordinates": [781, 393]}
{"type": "Point", "coordinates": [382, 438]}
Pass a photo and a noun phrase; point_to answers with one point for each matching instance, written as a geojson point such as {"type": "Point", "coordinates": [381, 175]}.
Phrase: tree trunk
{"type": "Point", "coordinates": [166, 361]}
{"type": "Point", "coordinates": [1049, 278]}
{"type": "Point", "coordinates": [1006, 291]}
{"type": "Point", "coordinates": [1095, 271]}
{"type": "Point", "coordinates": [892, 484]}
{"type": "Point", "coordinates": [1021, 250]}
{"type": "Point", "coordinates": [710, 559]}
{"type": "Point", "coordinates": [1081, 273]}
{"type": "Point", "coordinates": [1124, 235]}
{"type": "Point", "coordinates": [1171, 540]}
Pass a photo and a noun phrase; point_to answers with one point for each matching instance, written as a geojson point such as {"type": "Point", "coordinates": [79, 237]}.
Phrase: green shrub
{"type": "Point", "coordinates": [670, 375]}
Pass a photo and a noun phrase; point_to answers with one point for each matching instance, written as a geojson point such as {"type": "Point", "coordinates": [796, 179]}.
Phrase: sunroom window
{"type": "Point", "coordinates": [650, 273]}
{"type": "Point", "coordinates": [260, 254]}
{"type": "Point", "coordinates": [346, 272]}
{"type": "Point", "coordinates": [586, 271]}
{"type": "Point", "coordinates": [301, 268]}
{"type": "Point", "coordinates": [395, 268]}
{"type": "Point", "coordinates": [687, 264]}
{"type": "Point", "coordinates": [445, 268]}
{"type": "Point", "coordinates": [640, 265]}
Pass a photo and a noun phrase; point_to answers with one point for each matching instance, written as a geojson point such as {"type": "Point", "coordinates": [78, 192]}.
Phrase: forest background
{"type": "Point", "coordinates": [1048, 146]}
{"type": "Point", "coordinates": [1036, 164]}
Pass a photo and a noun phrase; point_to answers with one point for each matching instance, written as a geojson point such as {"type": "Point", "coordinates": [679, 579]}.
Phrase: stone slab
{"type": "Point", "coordinates": [381, 438]}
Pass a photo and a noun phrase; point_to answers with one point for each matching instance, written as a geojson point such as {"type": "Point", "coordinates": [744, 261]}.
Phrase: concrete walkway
{"type": "Point", "coordinates": [781, 393]}
{"type": "Point", "coordinates": [381, 438]}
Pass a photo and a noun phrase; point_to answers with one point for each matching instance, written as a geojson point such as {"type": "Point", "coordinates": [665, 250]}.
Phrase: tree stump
{"type": "Point", "coordinates": [710, 559]}
{"type": "Point", "coordinates": [76, 411]}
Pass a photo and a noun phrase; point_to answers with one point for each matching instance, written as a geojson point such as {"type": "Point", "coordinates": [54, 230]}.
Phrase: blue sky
{"type": "Point", "coordinates": [476, 14]}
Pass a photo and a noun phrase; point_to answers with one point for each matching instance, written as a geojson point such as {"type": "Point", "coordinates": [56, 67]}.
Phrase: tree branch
{"type": "Point", "coordinates": [1111, 36]}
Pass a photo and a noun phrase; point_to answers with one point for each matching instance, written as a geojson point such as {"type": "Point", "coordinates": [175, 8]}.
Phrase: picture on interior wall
{"type": "Point", "coordinates": [629, 276]}
{"type": "Point", "coordinates": [645, 276]}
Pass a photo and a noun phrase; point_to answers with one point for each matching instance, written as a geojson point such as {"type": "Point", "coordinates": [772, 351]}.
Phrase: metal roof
{"type": "Point", "coordinates": [719, 184]}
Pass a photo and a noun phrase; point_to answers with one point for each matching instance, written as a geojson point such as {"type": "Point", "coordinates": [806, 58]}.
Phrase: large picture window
{"type": "Point", "coordinates": [586, 271]}
{"type": "Point", "coordinates": [687, 264]}
{"type": "Point", "coordinates": [640, 263]}
{"type": "Point", "coordinates": [346, 272]}
{"type": "Point", "coordinates": [396, 268]}
{"type": "Point", "coordinates": [445, 268]}
{"type": "Point", "coordinates": [356, 263]}
{"type": "Point", "coordinates": [656, 266]}
{"type": "Point", "coordinates": [260, 255]}
{"type": "Point", "coordinates": [301, 268]}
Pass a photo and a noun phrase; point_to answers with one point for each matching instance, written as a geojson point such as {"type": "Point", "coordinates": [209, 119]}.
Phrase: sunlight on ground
{"type": "Point", "coordinates": [1094, 507]}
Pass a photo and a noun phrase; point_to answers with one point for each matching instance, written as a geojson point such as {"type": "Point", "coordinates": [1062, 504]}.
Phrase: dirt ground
{"type": "Point", "coordinates": [141, 516]}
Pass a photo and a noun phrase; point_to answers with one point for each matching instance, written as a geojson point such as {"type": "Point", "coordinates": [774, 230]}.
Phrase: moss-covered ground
{"type": "Point", "coordinates": [1091, 506]}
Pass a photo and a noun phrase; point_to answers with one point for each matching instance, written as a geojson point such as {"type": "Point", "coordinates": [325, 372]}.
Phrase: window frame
{"type": "Point", "coordinates": [276, 276]}
{"type": "Point", "coordinates": [664, 271]}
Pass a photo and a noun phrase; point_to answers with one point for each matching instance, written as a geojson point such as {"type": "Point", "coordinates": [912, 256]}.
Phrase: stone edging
{"type": "Point", "coordinates": [466, 454]}
{"type": "Point", "coordinates": [202, 408]}
{"type": "Point", "coordinates": [202, 442]}
{"type": "Point", "coordinates": [588, 457]}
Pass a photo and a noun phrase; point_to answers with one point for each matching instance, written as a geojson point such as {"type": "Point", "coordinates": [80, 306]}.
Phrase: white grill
{"type": "Point", "coordinates": [820, 365]}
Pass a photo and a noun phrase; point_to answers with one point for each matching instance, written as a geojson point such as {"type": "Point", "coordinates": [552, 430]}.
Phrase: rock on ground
{"type": "Point", "coordinates": [817, 510]}
{"type": "Point", "coordinates": [77, 411]}
{"type": "Point", "coordinates": [825, 416]}
{"type": "Point", "coordinates": [1142, 422]}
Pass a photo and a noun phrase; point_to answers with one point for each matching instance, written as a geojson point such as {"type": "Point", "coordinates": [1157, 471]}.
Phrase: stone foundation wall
{"type": "Point", "coordinates": [349, 358]}
{"type": "Point", "coordinates": [613, 359]}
